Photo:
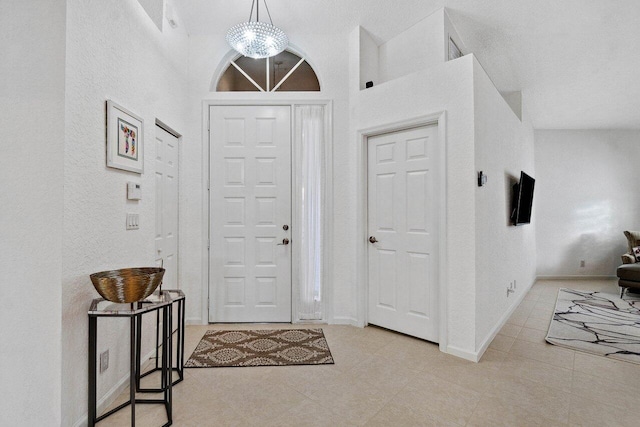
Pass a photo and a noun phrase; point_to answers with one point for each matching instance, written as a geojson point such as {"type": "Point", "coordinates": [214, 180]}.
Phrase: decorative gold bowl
{"type": "Point", "coordinates": [127, 284]}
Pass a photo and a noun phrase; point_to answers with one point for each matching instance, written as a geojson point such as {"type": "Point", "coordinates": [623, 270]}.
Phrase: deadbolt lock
{"type": "Point", "coordinates": [285, 227]}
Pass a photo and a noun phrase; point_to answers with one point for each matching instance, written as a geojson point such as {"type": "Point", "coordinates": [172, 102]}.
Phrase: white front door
{"type": "Point", "coordinates": [403, 231]}
{"type": "Point", "coordinates": [166, 185]}
{"type": "Point", "coordinates": [250, 209]}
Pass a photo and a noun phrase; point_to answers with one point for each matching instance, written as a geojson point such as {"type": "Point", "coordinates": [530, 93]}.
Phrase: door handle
{"type": "Point", "coordinates": [373, 239]}
{"type": "Point", "coordinates": [285, 242]}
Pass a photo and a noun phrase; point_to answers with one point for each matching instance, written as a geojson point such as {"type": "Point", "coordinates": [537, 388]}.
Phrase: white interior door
{"type": "Point", "coordinates": [402, 224]}
{"type": "Point", "coordinates": [167, 206]}
{"type": "Point", "coordinates": [250, 205]}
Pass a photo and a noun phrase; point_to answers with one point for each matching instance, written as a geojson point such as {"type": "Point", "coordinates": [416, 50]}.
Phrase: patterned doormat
{"type": "Point", "coordinates": [597, 323]}
{"type": "Point", "coordinates": [267, 347]}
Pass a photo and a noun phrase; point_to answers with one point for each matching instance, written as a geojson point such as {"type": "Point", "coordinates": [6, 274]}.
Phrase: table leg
{"type": "Point", "coordinates": [91, 414]}
{"type": "Point", "coordinates": [138, 352]}
{"type": "Point", "coordinates": [133, 370]}
{"type": "Point", "coordinates": [167, 364]}
{"type": "Point", "coordinates": [180, 361]}
{"type": "Point", "coordinates": [157, 336]}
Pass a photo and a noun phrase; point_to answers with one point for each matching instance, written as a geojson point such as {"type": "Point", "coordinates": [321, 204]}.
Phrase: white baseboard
{"type": "Point", "coordinates": [503, 320]}
{"type": "Point", "coordinates": [309, 322]}
{"type": "Point", "coordinates": [345, 320]}
{"type": "Point", "coordinates": [111, 395]}
{"type": "Point", "coordinates": [464, 354]}
{"type": "Point", "coordinates": [576, 277]}
{"type": "Point", "coordinates": [194, 321]}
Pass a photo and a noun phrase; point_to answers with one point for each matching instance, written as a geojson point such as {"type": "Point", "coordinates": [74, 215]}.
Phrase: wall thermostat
{"type": "Point", "coordinates": [134, 191]}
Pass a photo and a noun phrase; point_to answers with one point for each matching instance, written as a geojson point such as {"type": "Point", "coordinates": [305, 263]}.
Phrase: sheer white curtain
{"type": "Point", "coordinates": [309, 152]}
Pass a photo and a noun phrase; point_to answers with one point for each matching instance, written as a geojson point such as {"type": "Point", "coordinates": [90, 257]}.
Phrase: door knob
{"type": "Point", "coordinates": [285, 242]}
{"type": "Point", "coordinates": [372, 239]}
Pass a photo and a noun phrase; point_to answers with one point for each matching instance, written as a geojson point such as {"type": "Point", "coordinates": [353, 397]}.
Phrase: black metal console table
{"type": "Point", "coordinates": [161, 303]}
{"type": "Point", "coordinates": [178, 301]}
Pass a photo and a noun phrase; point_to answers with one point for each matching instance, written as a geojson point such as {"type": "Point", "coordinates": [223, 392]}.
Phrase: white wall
{"type": "Point", "coordinates": [504, 253]}
{"type": "Point", "coordinates": [586, 196]}
{"type": "Point", "coordinates": [442, 86]}
{"type": "Point", "coordinates": [155, 10]}
{"type": "Point", "coordinates": [32, 43]}
{"type": "Point", "coordinates": [445, 87]}
{"type": "Point", "coordinates": [369, 60]}
{"type": "Point", "coordinates": [450, 31]}
{"type": "Point", "coordinates": [328, 55]}
{"type": "Point", "coordinates": [114, 51]}
{"type": "Point", "coordinates": [498, 143]}
{"type": "Point", "coordinates": [415, 49]}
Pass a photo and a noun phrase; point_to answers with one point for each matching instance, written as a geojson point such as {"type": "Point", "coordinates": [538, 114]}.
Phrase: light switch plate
{"type": "Point", "coordinates": [133, 221]}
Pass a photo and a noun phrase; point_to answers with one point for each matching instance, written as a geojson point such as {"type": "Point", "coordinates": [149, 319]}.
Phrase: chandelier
{"type": "Point", "coordinates": [257, 39]}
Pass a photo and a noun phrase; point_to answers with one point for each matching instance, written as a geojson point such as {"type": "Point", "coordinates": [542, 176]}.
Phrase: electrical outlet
{"type": "Point", "coordinates": [514, 284]}
{"type": "Point", "coordinates": [582, 263]}
{"type": "Point", "coordinates": [104, 361]}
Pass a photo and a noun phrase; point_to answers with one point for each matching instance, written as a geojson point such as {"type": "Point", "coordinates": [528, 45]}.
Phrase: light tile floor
{"type": "Point", "coordinates": [381, 378]}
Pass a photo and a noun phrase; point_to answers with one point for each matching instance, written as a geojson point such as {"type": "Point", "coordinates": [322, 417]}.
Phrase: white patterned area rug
{"type": "Point", "coordinates": [597, 323]}
{"type": "Point", "coordinates": [265, 347]}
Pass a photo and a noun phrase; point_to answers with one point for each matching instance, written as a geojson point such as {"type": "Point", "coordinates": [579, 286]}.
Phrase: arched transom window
{"type": "Point", "coordinates": [285, 72]}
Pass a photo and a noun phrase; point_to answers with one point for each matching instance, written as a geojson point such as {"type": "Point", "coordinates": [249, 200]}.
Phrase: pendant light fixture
{"type": "Point", "coordinates": [257, 39]}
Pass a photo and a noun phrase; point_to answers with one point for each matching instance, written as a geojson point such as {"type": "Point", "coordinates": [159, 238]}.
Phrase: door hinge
{"type": "Point", "coordinates": [208, 244]}
{"type": "Point", "coordinates": [208, 185]}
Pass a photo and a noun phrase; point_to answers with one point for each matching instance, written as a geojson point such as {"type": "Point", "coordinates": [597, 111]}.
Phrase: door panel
{"type": "Point", "coordinates": [402, 216]}
{"type": "Point", "coordinates": [166, 238]}
{"type": "Point", "coordinates": [250, 202]}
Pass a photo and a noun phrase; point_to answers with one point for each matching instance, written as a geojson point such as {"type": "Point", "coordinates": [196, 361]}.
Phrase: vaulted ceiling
{"type": "Point", "coordinates": [577, 62]}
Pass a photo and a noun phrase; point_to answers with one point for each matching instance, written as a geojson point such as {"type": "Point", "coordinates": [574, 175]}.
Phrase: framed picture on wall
{"type": "Point", "coordinates": [124, 139]}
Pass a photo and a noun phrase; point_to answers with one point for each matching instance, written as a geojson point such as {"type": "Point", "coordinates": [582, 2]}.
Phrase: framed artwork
{"type": "Point", "coordinates": [124, 139]}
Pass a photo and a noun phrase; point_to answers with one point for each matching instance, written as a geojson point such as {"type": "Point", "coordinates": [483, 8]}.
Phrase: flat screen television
{"type": "Point", "coordinates": [522, 200]}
